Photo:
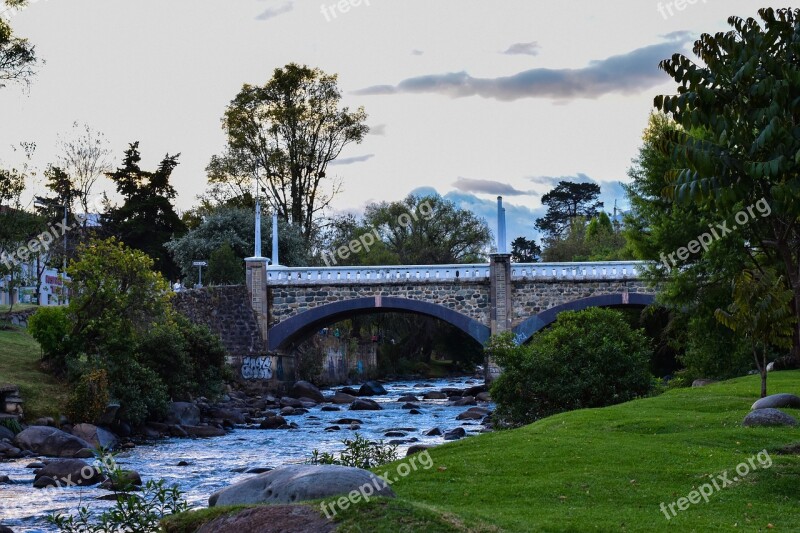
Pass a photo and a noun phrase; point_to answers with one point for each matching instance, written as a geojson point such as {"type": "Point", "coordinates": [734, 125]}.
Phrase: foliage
{"type": "Point", "coordinates": [565, 202]}
{"type": "Point", "coordinates": [17, 55]}
{"type": "Point", "coordinates": [85, 157]}
{"type": "Point", "coordinates": [234, 226]}
{"type": "Point", "coordinates": [140, 391]}
{"type": "Point", "coordinates": [224, 268]}
{"type": "Point", "coordinates": [738, 143]}
{"type": "Point", "coordinates": [525, 251]}
{"type": "Point", "coordinates": [11, 424]}
{"type": "Point", "coordinates": [288, 131]}
{"type": "Point", "coordinates": [359, 452]}
{"type": "Point", "coordinates": [147, 219]}
{"type": "Point", "coordinates": [761, 311]}
{"type": "Point", "coordinates": [140, 513]}
{"type": "Point", "coordinates": [89, 397]}
{"type": "Point", "coordinates": [50, 327]}
{"type": "Point", "coordinates": [589, 358]}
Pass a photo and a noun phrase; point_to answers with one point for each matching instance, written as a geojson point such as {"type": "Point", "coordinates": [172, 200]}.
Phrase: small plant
{"type": "Point", "coordinates": [140, 513]}
{"type": "Point", "coordinates": [89, 398]}
{"type": "Point", "coordinates": [359, 452]}
{"type": "Point", "coordinates": [11, 424]}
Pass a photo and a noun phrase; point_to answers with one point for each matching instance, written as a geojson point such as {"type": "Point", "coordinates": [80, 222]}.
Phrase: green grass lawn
{"type": "Point", "coordinates": [17, 308]}
{"type": "Point", "coordinates": [606, 470]}
{"type": "Point", "coordinates": [19, 364]}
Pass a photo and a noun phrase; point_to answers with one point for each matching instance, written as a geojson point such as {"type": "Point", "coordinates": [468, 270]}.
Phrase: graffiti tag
{"type": "Point", "coordinates": [257, 368]}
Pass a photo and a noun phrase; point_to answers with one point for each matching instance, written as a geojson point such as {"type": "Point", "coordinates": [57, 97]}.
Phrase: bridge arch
{"type": "Point", "coordinates": [291, 329]}
{"type": "Point", "coordinates": [526, 329]}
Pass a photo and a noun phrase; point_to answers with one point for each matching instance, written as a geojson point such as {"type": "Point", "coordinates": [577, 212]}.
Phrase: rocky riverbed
{"type": "Point", "coordinates": [247, 435]}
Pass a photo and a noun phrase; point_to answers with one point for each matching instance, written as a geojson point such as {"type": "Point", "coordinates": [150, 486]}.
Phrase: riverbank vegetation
{"type": "Point", "coordinates": [606, 469]}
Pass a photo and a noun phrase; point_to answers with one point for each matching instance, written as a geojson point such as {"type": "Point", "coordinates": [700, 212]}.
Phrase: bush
{"type": "Point", "coordinates": [358, 453]}
{"type": "Point", "coordinates": [140, 392]}
{"type": "Point", "coordinates": [89, 399]}
{"type": "Point", "coordinates": [589, 358]}
{"type": "Point", "coordinates": [50, 327]}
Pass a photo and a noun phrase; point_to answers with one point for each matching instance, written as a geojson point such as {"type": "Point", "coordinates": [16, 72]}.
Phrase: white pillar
{"type": "Point", "coordinates": [275, 239]}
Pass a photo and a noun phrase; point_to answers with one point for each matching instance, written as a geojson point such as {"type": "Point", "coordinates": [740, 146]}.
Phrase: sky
{"type": "Point", "coordinates": [469, 99]}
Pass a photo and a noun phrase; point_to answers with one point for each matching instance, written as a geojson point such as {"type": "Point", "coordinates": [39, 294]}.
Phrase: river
{"type": "Point", "coordinates": [217, 462]}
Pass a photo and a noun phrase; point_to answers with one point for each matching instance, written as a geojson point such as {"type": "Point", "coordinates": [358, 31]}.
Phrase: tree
{"type": "Point", "coordinates": [589, 358]}
{"type": "Point", "coordinates": [525, 250]}
{"type": "Point", "coordinates": [565, 202]}
{"type": "Point", "coordinates": [738, 144]}
{"type": "Point", "coordinates": [85, 157]}
{"type": "Point", "coordinates": [285, 133]}
{"type": "Point", "coordinates": [761, 312]}
{"type": "Point", "coordinates": [234, 226]}
{"type": "Point", "coordinates": [224, 268]}
{"type": "Point", "coordinates": [17, 55]}
{"type": "Point", "coordinates": [147, 218]}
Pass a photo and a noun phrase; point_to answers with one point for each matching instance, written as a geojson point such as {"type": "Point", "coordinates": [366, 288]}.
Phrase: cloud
{"type": "Point", "coordinates": [351, 160]}
{"type": "Point", "coordinates": [276, 10]}
{"type": "Point", "coordinates": [416, 52]}
{"type": "Point", "coordinates": [526, 49]}
{"type": "Point", "coordinates": [488, 187]}
{"type": "Point", "coordinates": [379, 129]}
{"type": "Point", "coordinates": [629, 73]}
{"type": "Point", "coordinates": [553, 180]}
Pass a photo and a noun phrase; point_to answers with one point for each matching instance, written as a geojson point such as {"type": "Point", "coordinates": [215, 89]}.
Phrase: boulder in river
{"type": "Point", "coordinates": [342, 398]}
{"type": "Point", "coordinates": [94, 435]}
{"type": "Point", "coordinates": [68, 473]}
{"type": "Point", "coordinates": [304, 389]}
{"type": "Point", "coordinates": [469, 415]}
{"type": "Point", "coordinates": [183, 414]}
{"type": "Point", "coordinates": [297, 483]}
{"type": "Point", "coordinates": [776, 401]}
{"type": "Point", "coordinates": [768, 417]}
{"type": "Point", "coordinates": [295, 518]}
{"type": "Point", "coordinates": [364, 404]}
{"type": "Point", "coordinates": [434, 395]}
{"type": "Point", "coordinates": [273, 422]}
{"type": "Point", "coordinates": [45, 440]}
{"type": "Point", "coordinates": [372, 388]}
{"type": "Point", "coordinates": [408, 398]}
{"type": "Point", "coordinates": [204, 432]}
{"type": "Point", "coordinates": [455, 434]}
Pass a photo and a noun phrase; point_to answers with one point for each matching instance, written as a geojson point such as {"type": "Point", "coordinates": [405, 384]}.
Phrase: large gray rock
{"type": "Point", "coordinates": [364, 404]}
{"type": "Point", "coordinates": [342, 398]}
{"type": "Point", "coordinates": [776, 401]}
{"type": "Point", "coordinates": [768, 417]}
{"type": "Point", "coordinates": [296, 483]}
{"type": "Point", "coordinates": [295, 518]}
{"type": "Point", "coordinates": [95, 436]}
{"type": "Point", "coordinates": [6, 433]}
{"type": "Point", "coordinates": [204, 431]}
{"type": "Point", "coordinates": [372, 388]}
{"type": "Point", "coordinates": [44, 440]}
{"type": "Point", "coordinates": [69, 473]}
{"type": "Point", "coordinates": [183, 414]}
{"type": "Point", "coordinates": [304, 389]}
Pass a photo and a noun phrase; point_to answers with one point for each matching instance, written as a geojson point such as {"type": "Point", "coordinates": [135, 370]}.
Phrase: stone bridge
{"type": "Point", "coordinates": [479, 299]}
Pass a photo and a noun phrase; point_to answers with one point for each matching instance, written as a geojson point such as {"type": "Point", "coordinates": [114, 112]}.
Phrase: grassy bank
{"type": "Point", "coordinates": [606, 470]}
{"type": "Point", "coordinates": [19, 364]}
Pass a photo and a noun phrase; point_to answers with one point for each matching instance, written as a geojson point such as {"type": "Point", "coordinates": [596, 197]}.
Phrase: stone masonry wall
{"type": "Point", "coordinates": [226, 311]}
{"type": "Point", "coordinates": [531, 298]}
{"type": "Point", "coordinates": [468, 298]}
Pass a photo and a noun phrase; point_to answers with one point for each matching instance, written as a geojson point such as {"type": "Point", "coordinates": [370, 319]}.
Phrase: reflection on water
{"type": "Point", "coordinates": [213, 463]}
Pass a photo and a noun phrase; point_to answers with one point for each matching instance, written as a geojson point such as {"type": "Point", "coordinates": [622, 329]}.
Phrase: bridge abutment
{"type": "Point", "coordinates": [500, 305]}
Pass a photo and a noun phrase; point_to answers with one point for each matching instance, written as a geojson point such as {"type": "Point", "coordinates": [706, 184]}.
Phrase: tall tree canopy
{"type": "Point", "coordinates": [285, 134]}
{"type": "Point", "coordinates": [739, 111]}
{"type": "Point", "coordinates": [565, 202]}
{"type": "Point", "coordinates": [147, 219]}
{"type": "Point", "coordinates": [17, 55]}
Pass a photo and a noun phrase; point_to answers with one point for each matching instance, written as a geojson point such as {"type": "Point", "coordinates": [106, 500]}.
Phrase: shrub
{"type": "Point", "coordinates": [50, 327]}
{"type": "Point", "coordinates": [12, 424]}
{"type": "Point", "coordinates": [89, 398]}
{"type": "Point", "coordinates": [589, 358]}
{"type": "Point", "coordinates": [358, 452]}
{"type": "Point", "coordinates": [139, 390]}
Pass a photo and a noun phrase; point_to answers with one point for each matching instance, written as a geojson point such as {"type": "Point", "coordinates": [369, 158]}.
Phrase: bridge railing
{"type": "Point", "coordinates": [435, 273]}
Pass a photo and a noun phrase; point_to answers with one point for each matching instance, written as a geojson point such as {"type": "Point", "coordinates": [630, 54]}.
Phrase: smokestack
{"type": "Point", "coordinates": [504, 248]}
{"type": "Point", "coordinates": [275, 238]}
{"type": "Point", "coordinates": [257, 251]}
{"type": "Point", "coordinates": [501, 226]}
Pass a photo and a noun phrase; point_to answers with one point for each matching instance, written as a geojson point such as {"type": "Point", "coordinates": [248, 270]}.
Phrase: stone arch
{"type": "Point", "coordinates": [291, 329]}
{"type": "Point", "coordinates": [525, 330]}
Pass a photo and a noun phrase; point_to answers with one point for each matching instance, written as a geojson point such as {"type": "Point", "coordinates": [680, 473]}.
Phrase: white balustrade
{"type": "Point", "coordinates": [610, 270]}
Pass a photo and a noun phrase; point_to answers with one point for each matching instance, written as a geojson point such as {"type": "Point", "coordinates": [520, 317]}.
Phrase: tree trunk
{"type": "Point", "coordinates": [761, 364]}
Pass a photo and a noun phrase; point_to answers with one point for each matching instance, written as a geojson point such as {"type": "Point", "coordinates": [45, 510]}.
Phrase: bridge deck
{"type": "Point", "coordinates": [610, 270]}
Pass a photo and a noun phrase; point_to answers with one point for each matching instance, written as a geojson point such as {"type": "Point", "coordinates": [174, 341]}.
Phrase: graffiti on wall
{"type": "Point", "coordinates": [257, 367]}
